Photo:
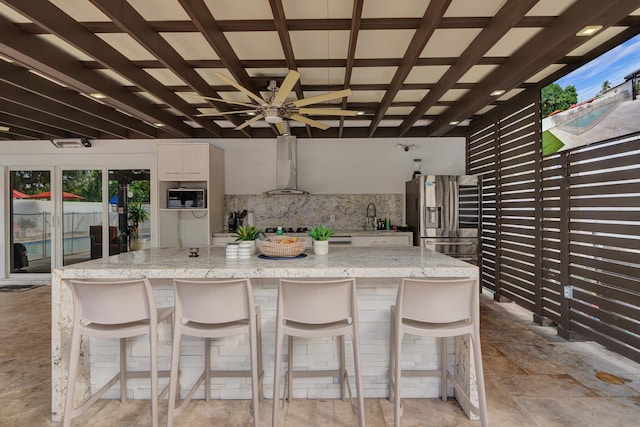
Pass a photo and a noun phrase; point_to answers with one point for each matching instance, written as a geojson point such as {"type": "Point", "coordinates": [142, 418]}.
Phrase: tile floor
{"type": "Point", "coordinates": [533, 378]}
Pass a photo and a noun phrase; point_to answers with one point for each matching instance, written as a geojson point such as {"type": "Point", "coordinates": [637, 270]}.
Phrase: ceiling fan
{"type": "Point", "coordinates": [276, 109]}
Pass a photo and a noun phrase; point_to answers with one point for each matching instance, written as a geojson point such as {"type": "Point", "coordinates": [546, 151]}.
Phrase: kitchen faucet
{"type": "Point", "coordinates": [371, 216]}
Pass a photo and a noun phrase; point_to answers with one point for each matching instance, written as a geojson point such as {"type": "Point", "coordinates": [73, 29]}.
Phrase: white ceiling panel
{"type": "Point", "coordinates": [410, 95]}
{"type": "Point", "coordinates": [256, 45]}
{"type": "Point", "coordinates": [597, 40]}
{"type": "Point", "coordinates": [453, 95]}
{"type": "Point", "coordinates": [447, 43]}
{"type": "Point", "coordinates": [477, 73]}
{"type": "Point", "coordinates": [383, 44]}
{"type": "Point", "coordinates": [82, 11]}
{"type": "Point", "coordinates": [366, 96]}
{"type": "Point", "coordinates": [394, 9]}
{"type": "Point", "coordinates": [12, 15]}
{"type": "Point", "coordinates": [159, 10]}
{"type": "Point", "coordinates": [512, 41]}
{"type": "Point", "coordinates": [191, 46]}
{"type": "Point", "coordinates": [321, 76]}
{"type": "Point", "coordinates": [239, 9]}
{"type": "Point", "coordinates": [426, 74]}
{"type": "Point", "coordinates": [365, 75]}
{"type": "Point", "coordinates": [127, 46]}
{"type": "Point", "coordinates": [550, 7]}
{"type": "Point", "coordinates": [544, 73]}
{"type": "Point", "coordinates": [467, 8]}
{"type": "Point", "coordinates": [319, 44]}
{"type": "Point", "coordinates": [164, 76]}
{"type": "Point", "coordinates": [318, 9]}
{"type": "Point", "coordinates": [115, 77]}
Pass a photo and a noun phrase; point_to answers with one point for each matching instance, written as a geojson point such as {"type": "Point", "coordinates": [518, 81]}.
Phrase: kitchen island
{"type": "Point", "coordinates": [377, 272]}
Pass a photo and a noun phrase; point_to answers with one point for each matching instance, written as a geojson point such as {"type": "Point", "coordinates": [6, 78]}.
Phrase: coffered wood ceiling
{"type": "Point", "coordinates": [414, 66]}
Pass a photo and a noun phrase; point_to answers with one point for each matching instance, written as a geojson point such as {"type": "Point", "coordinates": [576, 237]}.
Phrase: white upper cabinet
{"type": "Point", "coordinates": [183, 162]}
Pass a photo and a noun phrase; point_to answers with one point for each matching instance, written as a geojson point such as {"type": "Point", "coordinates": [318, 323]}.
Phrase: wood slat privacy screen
{"type": "Point", "coordinates": [560, 234]}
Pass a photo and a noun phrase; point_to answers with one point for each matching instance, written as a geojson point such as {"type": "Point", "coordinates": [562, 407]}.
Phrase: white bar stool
{"type": "Point", "coordinates": [437, 308]}
{"type": "Point", "coordinates": [214, 309]}
{"type": "Point", "coordinates": [113, 309]}
{"type": "Point", "coordinates": [317, 309]}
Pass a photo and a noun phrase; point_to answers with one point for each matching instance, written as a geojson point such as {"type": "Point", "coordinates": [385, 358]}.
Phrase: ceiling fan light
{"type": "Point", "coordinates": [272, 115]}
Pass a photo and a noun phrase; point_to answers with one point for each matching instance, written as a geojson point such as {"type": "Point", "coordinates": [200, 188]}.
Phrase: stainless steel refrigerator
{"type": "Point", "coordinates": [443, 212]}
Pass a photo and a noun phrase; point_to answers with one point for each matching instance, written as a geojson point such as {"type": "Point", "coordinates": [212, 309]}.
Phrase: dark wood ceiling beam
{"type": "Point", "coordinates": [130, 21]}
{"type": "Point", "coordinates": [280, 21]}
{"type": "Point", "coordinates": [62, 25]}
{"type": "Point", "coordinates": [39, 103]}
{"type": "Point", "coordinates": [312, 24]}
{"type": "Point", "coordinates": [37, 54]}
{"type": "Point", "coordinates": [432, 17]}
{"type": "Point", "coordinates": [326, 88]}
{"type": "Point", "coordinates": [210, 30]}
{"type": "Point", "coordinates": [21, 78]}
{"type": "Point", "coordinates": [356, 19]}
{"type": "Point", "coordinates": [509, 14]}
{"type": "Point", "coordinates": [9, 107]}
{"type": "Point", "coordinates": [30, 130]}
{"type": "Point", "coordinates": [314, 63]}
{"type": "Point", "coordinates": [559, 39]}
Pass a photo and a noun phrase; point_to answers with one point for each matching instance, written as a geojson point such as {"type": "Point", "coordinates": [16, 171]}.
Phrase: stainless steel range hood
{"type": "Point", "coordinates": [286, 167]}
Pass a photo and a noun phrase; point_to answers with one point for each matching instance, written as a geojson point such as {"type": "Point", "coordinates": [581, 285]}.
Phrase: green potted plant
{"type": "Point", "coordinates": [247, 234]}
{"type": "Point", "coordinates": [136, 214]}
{"type": "Point", "coordinates": [320, 235]}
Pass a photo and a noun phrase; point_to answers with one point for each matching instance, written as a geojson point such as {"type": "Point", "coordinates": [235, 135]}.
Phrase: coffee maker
{"type": "Point", "coordinates": [235, 220]}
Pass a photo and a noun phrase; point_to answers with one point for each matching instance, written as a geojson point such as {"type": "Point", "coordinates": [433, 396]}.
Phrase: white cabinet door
{"type": "Point", "coordinates": [183, 162]}
{"type": "Point", "coordinates": [170, 162]}
{"type": "Point", "coordinates": [195, 161]}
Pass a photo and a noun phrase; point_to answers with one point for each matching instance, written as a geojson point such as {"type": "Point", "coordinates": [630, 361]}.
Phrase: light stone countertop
{"type": "Point", "coordinates": [154, 263]}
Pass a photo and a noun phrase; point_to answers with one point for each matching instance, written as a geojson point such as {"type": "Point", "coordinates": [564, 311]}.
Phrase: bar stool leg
{"type": "Point", "coordinates": [356, 360]}
{"type": "Point", "coordinates": [174, 390]}
{"type": "Point", "coordinates": [482, 398]}
{"type": "Point", "coordinates": [153, 342]}
{"type": "Point", "coordinates": [392, 357]}
{"type": "Point", "coordinates": [398, 377]}
{"type": "Point", "coordinates": [443, 369]}
{"type": "Point", "coordinates": [289, 393]}
{"type": "Point", "coordinates": [71, 379]}
{"type": "Point", "coordinates": [276, 376]}
{"type": "Point", "coordinates": [207, 369]}
{"type": "Point", "coordinates": [123, 370]}
{"type": "Point", "coordinates": [343, 367]}
{"type": "Point", "coordinates": [255, 373]}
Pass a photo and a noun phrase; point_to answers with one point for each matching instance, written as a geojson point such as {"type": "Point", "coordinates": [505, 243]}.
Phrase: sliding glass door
{"type": "Point", "coordinates": [30, 234]}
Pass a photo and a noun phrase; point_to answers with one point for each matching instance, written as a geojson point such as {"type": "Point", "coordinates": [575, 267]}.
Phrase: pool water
{"type": "Point", "coordinates": [590, 118]}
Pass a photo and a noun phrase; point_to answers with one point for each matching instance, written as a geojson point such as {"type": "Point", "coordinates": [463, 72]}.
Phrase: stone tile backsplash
{"type": "Point", "coordinates": [340, 211]}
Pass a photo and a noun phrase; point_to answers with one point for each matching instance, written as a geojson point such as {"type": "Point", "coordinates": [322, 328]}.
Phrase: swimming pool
{"type": "Point", "coordinates": [588, 120]}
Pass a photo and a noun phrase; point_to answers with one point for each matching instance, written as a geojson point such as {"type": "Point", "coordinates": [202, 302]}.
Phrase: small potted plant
{"type": "Point", "coordinates": [320, 235]}
{"type": "Point", "coordinates": [136, 214]}
{"type": "Point", "coordinates": [248, 234]}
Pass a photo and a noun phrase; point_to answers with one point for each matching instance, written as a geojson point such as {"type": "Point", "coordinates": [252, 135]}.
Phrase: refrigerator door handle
{"type": "Point", "coordinates": [455, 217]}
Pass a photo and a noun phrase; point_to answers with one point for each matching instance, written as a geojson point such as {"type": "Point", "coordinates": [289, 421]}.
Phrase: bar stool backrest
{"type": "Point", "coordinates": [214, 302]}
{"type": "Point", "coordinates": [437, 300]}
{"type": "Point", "coordinates": [113, 302]}
{"type": "Point", "coordinates": [325, 302]}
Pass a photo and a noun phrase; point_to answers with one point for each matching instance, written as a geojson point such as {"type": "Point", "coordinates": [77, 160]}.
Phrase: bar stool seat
{"type": "Point", "coordinates": [317, 309]}
{"type": "Point", "coordinates": [215, 309]}
{"type": "Point", "coordinates": [114, 309]}
{"type": "Point", "coordinates": [438, 308]}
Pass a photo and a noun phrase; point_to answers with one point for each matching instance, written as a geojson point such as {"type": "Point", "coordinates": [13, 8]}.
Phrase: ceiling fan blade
{"type": "Point", "coordinates": [220, 99]}
{"type": "Point", "coordinates": [327, 112]}
{"type": "Point", "coordinates": [248, 122]}
{"type": "Point", "coordinates": [322, 98]}
{"type": "Point", "coordinates": [310, 122]}
{"type": "Point", "coordinates": [225, 113]}
{"type": "Point", "coordinates": [282, 128]}
{"type": "Point", "coordinates": [240, 88]}
{"type": "Point", "coordinates": [286, 87]}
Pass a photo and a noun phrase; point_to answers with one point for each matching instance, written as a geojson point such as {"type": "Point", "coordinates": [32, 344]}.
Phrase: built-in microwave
{"type": "Point", "coordinates": [186, 198]}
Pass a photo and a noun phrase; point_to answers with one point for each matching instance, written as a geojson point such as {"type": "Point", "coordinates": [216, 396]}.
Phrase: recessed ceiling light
{"type": "Point", "coordinates": [4, 128]}
{"type": "Point", "coordinates": [158, 125]}
{"type": "Point", "coordinates": [360, 113]}
{"type": "Point", "coordinates": [498, 92]}
{"type": "Point", "coordinates": [589, 30]}
{"type": "Point", "coordinates": [98, 95]}
{"type": "Point", "coordinates": [454, 122]}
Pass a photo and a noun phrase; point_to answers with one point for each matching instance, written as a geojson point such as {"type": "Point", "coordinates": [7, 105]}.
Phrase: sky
{"type": "Point", "coordinates": [613, 66]}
